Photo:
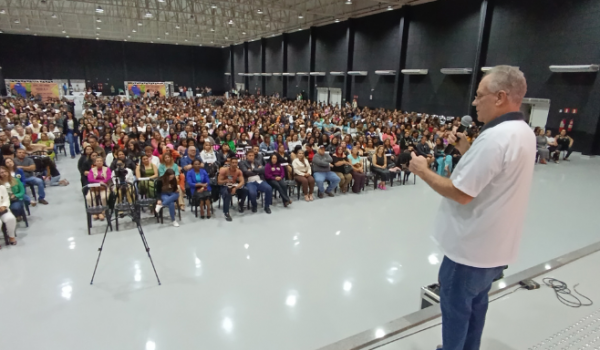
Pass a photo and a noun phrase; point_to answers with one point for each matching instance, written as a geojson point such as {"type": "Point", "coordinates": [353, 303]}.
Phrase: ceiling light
{"type": "Point", "coordinates": [129, 36]}
{"type": "Point", "coordinates": [176, 43]}
{"type": "Point", "coordinates": [166, 33]}
{"type": "Point", "coordinates": [17, 21]}
{"type": "Point", "coordinates": [212, 42]}
{"type": "Point", "coordinates": [99, 9]}
{"type": "Point", "coordinates": [300, 16]}
{"type": "Point", "coordinates": [259, 11]}
{"type": "Point", "coordinates": [243, 33]}
{"type": "Point", "coordinates": [213, 6]}
{"type": "Point", "coordinates": [226, 38]}
{"type": "Point", "coordinates": [185, 39]}
{"type": "Point", "coordinates": [177, 27]}
{"type": "Point", "coordinates": [26, 28]}
{"type": "Point", "coordinates": [97, 38]}
{"type": "Point", "coordinates": [67, 37]}
{"type": "Point", "coordinates": [1, 32]}
{"type": "Point", "coordinates": [230, 21]}
{"type": "Point", "coordinates": [124, 39]}
{"type": "Point", "coordinates": [140, 24]}
{"type": "Point", "coordinates": [212, 29]}
{"type": "Point", "coordinates": [98, 28]}
{"type": "Point", "coordinates": [161, 0]}
{"type": "Point", "coordinates": [134, 31]}
{"type": "Point", "coordinates": [98, 20]}
{"type": "Point", "coordinates": [348, 2]}
{"type": "Point", "coordinates": [199, 44]}
{"type": "Point", "coordinates": [64, 31]}
{"type": "Point", "coordinates": [389, 8]}
{"type": "Point", "coordinates": [35, 34]}
{"type": "Point", "coordinates": [54, 15]}
{"type": "Point", "coordinates": [2, 12]}
{"type": "Point", "coordinates": [222, 47]}
{"type": "Point", "coordinates": [197, 35]}
{"type": "Point", "coordinates": [337, 20]}
{"type": "Point", "coordinates": [151, 42]}
{"type": "Point", "coordinates": [148, 14]}
{"type": "Point", "coordinates": [97, 34]}
{"type": "Point", "coordinates": [157, 38]}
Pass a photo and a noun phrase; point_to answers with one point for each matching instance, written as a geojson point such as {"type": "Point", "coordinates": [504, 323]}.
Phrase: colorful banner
{"type": "Point", "coordinates": [34, 89]}
{"type": "Point", "coordinates": [140, 89]}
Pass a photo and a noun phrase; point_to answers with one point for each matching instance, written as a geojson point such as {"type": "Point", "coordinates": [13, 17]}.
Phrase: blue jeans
{"type": "Point", "coordinates": [17, 208]}
{"type": "Point", "coordinates": [226, 195]}
{"type": "Point", "coordinates": [442, 163]}
{"type": "Point", "coordinates": [73, 143]}
{"type": "Point", "coordinates": [168, 200]}
{"type": "Point", "coordinates": [330, 176]}
{"type": "Point", "coordinates": [464, 303]}
{"type": "Point", "coordinates": [264, 187]}
{"type": "Point", "coordinates": [39, 183]}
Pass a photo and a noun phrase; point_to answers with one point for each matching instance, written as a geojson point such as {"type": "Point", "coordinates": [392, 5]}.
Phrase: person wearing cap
{"type": "Point", "coordinates": [322, 172]}
{"type": "Point", "coordinates": [481, 217]}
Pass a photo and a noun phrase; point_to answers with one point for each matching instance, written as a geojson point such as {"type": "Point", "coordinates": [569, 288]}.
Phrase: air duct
{"type": "Point", "coordinates": [456, 71]}
{"type": "Point", "coordinates": [582, 68]}
{"type": "Point", "coordinates": [358, 72]}
{"type": "Point", "coordinates": [415, 71]}
{"type": "Point", "coordinates": [385, 72]}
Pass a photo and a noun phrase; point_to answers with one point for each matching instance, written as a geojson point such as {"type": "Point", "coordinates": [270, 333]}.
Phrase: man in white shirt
{"type": "Point", "coordinates": [480, 220]}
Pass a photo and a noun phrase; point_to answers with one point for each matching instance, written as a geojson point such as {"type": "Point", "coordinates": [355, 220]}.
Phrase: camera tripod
{"type": "Point", "coordinates": [135, 216]}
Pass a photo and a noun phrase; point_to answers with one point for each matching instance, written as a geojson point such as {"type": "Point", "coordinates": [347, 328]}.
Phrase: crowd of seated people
{"type": "Point", "coordinates": [551, 147]}
{"type": "Point", "coordinates": [28, 133]}
{"type": "Point", "coordinates": [205, 149]}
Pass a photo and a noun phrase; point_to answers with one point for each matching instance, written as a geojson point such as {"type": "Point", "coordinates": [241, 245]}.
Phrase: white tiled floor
{"type": "Point", "coordinates": [300, 278]}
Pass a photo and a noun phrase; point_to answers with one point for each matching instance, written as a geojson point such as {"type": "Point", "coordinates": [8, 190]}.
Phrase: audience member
{"type": "Point", "coordinates": [199, 182]}
{"type": "Point", "coordinates": [169, 194]}
{"type": "Point", "coordinates": [254, 178]}
{"type": "Point", "coordinates": [7, 217]}
{"type": "Point", "coordinates": [275, 176]}
{"type": "Point", "coordinates": [322, 168]}
{"type": "Point", "coordinates": [231, 181]}
{"type": "Point", "coordinates": [98, 174]}
{"type": "Point", "coordinates": [303, 175]}
{"type": "Point", "coordinates": [28, 166]}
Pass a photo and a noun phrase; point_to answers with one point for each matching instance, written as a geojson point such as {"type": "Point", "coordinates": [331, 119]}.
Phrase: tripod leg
{"type": "Point", "coordinates": [147, 248]}
{"type": "Point", "coordinates": [101, 246]}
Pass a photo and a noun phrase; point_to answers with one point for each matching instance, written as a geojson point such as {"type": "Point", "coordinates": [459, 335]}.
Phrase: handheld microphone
{"type": "Point", "coordinates": [465, 123]}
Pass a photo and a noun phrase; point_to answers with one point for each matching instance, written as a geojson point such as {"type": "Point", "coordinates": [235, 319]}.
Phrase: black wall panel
{"type": "Point", "coordinates": [376, 47]}
{"type": "Point", "coordinates": [254, 66]}
{"type": "Point", "coordinates": [298, 61]}
{"type": "Point", "coordinates": [101, 68]}
{"type": "Point", "coordinates": [60, 61]}
{"type": "Point", "coordinates": [442, 34]}
{"type": "Point", "coordinates": [535, 34]}
{"type": "Point", "coordinates": [274, 64]}
{"type": "Point", "coordinates": [331, 54]}
{"type": "Point", "coordinates": [144, 63]}
{"type": "Point", "coordinates": [110, 62]}
{"type": "Point", "coordinates": [238, 63]}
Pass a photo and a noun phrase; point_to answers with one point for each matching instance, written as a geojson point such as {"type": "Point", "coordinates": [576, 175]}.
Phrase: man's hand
{"type": "Point", "coordinates": [460, 141]}
{"type": "Point", "coordinates": [233, 190]}
{"type": "Point", "coordinates": [418, 164]}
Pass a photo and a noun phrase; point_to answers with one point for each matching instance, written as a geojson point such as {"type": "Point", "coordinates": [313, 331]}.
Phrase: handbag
{"type": "Point", "coordinates": [347, 169]}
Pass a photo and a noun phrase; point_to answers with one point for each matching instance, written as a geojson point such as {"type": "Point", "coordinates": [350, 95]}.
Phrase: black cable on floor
{"type": "Point", "coordinates": [563, 293]}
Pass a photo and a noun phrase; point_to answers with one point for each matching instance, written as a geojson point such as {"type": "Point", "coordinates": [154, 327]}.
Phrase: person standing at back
{"type": "Point", "coordinates": [480, 220]}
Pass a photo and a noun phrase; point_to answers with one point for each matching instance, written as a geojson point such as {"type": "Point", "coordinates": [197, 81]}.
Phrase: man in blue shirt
{"type": "Point", "coordinates": [186, 162]}
{"type": "Point", "coordinates": [266, 146]}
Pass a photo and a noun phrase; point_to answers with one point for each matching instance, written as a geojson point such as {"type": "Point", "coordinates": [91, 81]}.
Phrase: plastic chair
{"type": "Point", "coordinates": [59, 145]}
{"type": "Point", "coordinates": [96, 207]}
{"type": "Point", "coordinates": [146, 193]}
{"type": "Point", "coordinates": [126, 198]}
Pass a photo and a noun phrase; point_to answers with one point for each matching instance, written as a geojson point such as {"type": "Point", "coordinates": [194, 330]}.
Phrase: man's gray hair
{"type": "Point", "coordinates": [510, 79]}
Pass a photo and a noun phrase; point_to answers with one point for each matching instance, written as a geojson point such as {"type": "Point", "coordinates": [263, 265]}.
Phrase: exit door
{"type": "Point", "coordinates": [323, 95]}
{"type": "Point", "coordinates": [335, 96]}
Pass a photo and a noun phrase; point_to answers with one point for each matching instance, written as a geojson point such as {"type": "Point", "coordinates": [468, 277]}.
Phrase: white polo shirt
{"type": "Point", "coordinates": [497, 171]}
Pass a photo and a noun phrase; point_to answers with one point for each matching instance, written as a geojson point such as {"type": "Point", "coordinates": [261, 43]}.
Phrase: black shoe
{"type": "Point", "coordinates": [268, 210]}
{"type": "Point", "coordinates": [201, 217]}
{"type": "Point", "coordinates": [228, 217]}
{"type": "Point", "coordinates": [254, 209]}
{"type": "Point", "coordinates": [320, 195]}
{"type": "Point", "coordinates": [241, 208]}
{"type": "Point", "coordinates": [42, 201]}
{"type": "Point", "coordinates": [330, 194]}
{"type": "Point", "coordinates": [208, 217]}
